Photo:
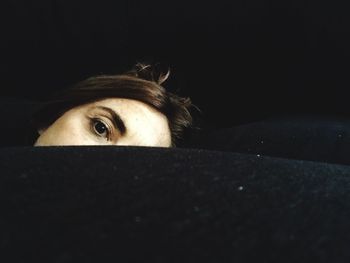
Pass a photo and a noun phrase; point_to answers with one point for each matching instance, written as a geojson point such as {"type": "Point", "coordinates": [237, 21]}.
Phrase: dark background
{"type": "Point", "coordinates": [239, 61]}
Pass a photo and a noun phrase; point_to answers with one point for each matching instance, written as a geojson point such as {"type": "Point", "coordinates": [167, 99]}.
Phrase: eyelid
{"type": "Point", "coordinates": [117, 122]}
{"type": "Point", "coordinates": [108, 126]}
{"type": "Point", "coordinates": [114, 119]}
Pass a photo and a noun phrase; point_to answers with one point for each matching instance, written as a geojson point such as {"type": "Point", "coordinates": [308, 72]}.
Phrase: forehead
{"type": "Point", "coordinates": [143, 123]}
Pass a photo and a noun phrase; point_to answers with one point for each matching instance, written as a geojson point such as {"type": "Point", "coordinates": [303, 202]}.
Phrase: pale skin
{"type": "Point", "coordinates": [112, 121]}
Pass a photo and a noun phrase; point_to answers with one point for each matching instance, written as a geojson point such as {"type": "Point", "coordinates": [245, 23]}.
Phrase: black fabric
{"type": "Point", "coordinates": [314, 138]}
{"type": "Point", "coordinates": [135, 204]}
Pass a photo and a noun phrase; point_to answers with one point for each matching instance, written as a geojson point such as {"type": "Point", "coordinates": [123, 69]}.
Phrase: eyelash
{"type": "Point", "coordinates": [93, 122]}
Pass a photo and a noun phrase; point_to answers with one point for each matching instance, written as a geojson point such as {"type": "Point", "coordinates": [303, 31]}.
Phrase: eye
{"type": "Point", "coordinates": [100, 128]}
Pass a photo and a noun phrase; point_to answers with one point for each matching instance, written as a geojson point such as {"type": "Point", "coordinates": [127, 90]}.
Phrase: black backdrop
{"type": "Point", "coordinates": [238, 60]}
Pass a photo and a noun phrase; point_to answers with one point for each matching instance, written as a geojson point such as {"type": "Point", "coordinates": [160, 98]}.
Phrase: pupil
{"type": "Point", "coordinates": [100, 127]}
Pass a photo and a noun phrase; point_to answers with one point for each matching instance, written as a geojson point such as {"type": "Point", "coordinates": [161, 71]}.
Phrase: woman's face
{"type": "Point", "coordinates": [113, 121]}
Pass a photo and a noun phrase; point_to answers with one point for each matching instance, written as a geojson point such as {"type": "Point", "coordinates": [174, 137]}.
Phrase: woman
{"type": "Point", "coordinates": [127, 109]}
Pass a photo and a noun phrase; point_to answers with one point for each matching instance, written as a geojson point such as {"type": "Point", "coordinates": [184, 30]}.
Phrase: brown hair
{"type": "Point", "coordinates": [142, 83]}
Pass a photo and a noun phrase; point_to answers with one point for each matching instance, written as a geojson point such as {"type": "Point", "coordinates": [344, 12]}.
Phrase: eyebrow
{"type": "Point", "coordinates": [117, 121]}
